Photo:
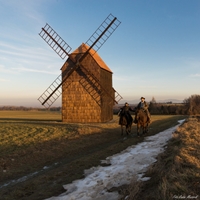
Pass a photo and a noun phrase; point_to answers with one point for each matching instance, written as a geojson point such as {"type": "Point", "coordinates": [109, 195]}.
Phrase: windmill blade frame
{"type": "Point", "coordinates": [106, 29]}
{"type": "Point", "coordinates": [55, 41]}
{"type": "Point", "coordinates": [98, 38]}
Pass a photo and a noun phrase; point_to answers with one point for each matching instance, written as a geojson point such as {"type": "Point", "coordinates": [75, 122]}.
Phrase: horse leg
{"type": "Point", "coordinates": [127, 130]}
{"type": "Point", "coordinates": [144, 130]}
{"type": "Point", "coordinates": [138, 130]}
{"type": "Point", "coordinates": [122, 130]}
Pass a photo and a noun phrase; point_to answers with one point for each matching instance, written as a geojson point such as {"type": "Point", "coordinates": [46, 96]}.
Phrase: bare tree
{"type": "Point", "coordinates": [192, 104]}
{"type": "Point", "coordinates": [153, 100]}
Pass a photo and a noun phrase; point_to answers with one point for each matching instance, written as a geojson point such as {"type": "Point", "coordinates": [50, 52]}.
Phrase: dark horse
{"type": "Point", "coordinates": [125, 120]}
{"type": "Point", "coordinates": [142, 121]}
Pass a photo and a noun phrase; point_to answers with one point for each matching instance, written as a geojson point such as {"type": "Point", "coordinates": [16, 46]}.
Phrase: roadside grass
{"type": "Point", "coordinates": [176, 174]}
{"type": "Point", "coordinates": [36, 141]}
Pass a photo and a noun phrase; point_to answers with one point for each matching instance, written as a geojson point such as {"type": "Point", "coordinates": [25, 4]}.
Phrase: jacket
{"type": "Point", "coordinates": [125, 110]}
{"type": "Point", "coordinates": [145, 105]}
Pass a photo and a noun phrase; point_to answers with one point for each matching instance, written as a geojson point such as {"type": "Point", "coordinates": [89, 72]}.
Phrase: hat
{"type": "Point", "coordinates": [142, 98]}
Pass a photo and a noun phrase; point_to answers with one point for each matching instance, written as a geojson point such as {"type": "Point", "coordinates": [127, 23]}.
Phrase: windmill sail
{"type": "Point", "coordinates": [55, 41]}
{"type": "Point", "coordinates": [94, 88]}
{"type": "Point", "coordinates": [103, 32]}
{"type": "Point", "coordinates": [98, 38]}
{"type": "Point", "coordinates": [118, 97]}
{"type": "Point", "coordinates": [53, 92]}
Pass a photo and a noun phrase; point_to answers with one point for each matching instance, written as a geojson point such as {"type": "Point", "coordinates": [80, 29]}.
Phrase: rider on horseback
{"type": "Point", "coordinates": [125, 111]}
{"type": "Point", "coordinates": [143, 105]}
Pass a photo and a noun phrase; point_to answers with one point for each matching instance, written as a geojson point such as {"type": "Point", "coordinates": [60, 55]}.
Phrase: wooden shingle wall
{"type": "Point", "coordinates": [83, 101]}
{"type": "Point", "coordinates": [107, 102]}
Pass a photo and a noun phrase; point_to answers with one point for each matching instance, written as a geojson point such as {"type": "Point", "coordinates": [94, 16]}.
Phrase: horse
{"type": "Point", "coordinates": [142, 121]}
{"type": "Point", "coordinates": [126, 121]}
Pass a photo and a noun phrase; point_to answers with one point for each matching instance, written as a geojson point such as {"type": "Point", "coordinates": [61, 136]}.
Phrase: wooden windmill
{"type": "Point", "coordinates": [86, 81]}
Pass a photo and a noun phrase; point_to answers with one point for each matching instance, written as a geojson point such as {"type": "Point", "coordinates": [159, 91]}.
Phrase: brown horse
{"type": "Point", "coordinates": [142, 121]}
{"type": "Point", "coordinates": [126, 121]}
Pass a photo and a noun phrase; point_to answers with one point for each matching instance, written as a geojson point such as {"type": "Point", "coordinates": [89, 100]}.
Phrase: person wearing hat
{"type": "Point", "coordinates": [126, 111]}
{"type": "Point", "coordinates": [143, 105]}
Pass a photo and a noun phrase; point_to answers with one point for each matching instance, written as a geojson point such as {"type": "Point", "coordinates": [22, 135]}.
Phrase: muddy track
{"type": "Point", "coordinates": [65, 161]}
{"type": "Point", "coordinates": [71, 166]}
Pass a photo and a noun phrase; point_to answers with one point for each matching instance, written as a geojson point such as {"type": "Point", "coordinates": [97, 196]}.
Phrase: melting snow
{"type": "Point", "coordinates": [131, 162]}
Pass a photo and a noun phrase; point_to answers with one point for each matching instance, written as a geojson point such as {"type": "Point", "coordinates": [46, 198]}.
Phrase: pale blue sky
{"type": "Point", "coordinates": [154, 52]}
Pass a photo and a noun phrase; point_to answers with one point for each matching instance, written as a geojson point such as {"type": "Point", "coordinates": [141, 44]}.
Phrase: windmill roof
{"type": "Point", "coordinates": [83, 48]}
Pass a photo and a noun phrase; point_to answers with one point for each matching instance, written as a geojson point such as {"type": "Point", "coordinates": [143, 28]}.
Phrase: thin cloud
{"type": "Point", "coordinates": [27, 52]}
{"type": "Point", "coordinates": [23, 69]}
{"type": "Point", "coordinates": [4, 80]}
{"type": "Point", "coordinates": [148, 86]}
{"type": "Point", "coordinates": [124, 78]}
{"type": "Point", "coordinates": [195, 75]}
{"type": "Point", "coordinates": [28, 9]}
{"type": "Point", "coordinates": [4, 70]}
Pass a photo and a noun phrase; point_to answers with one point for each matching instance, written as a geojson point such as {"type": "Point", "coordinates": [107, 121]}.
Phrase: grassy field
{"type": "Point", "coordinates": [30, 115]}
{"type": "Point", "coordinates": [49, 153]}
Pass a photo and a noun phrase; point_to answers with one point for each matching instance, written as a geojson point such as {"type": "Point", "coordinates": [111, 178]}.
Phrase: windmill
{"type": "Point", "coordinates": [86, 81]}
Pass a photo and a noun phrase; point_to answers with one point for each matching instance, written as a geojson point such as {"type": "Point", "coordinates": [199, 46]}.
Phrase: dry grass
{"type": "Point", "coordinates": [30, 140]}
{"type": "Point", "coordinates": [176, 174]}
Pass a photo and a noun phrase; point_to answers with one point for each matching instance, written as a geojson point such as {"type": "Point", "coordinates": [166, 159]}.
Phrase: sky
{"type": "Point", "coordinates": [155, 52]}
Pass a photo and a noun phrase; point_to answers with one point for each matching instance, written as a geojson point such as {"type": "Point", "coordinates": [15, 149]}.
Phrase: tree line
{"type": "Point", "coordinates": [190, 106]}
{"type": "Point", "coordinates": [22, 108]}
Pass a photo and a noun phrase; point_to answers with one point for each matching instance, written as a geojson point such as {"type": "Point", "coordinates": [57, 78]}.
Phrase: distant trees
{"type": "Point", "coordinates": [153, 100]}
{"type": "Point", "coordinates": [167, 108]}
{"type": "Point", "coordinates": [192, 105]}
{"type": "Point", "coordinates": [164, 108]}
{"type": "Point", "coordinates": [152, 105]}
{"type": "Point", "coordinates": [15, 108]}
{"type": "Point", "coordinates": [22, 108]}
